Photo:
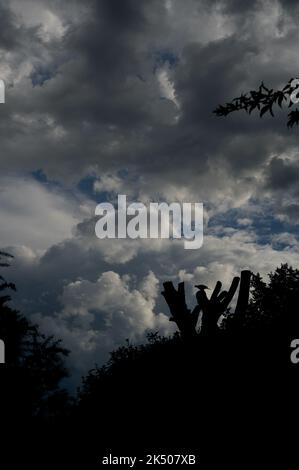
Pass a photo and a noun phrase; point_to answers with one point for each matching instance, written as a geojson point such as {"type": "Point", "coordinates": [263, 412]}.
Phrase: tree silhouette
{"type": "Point", "coordinates": [263, 100]}
{"type": "Point", "coordinates": [34, 363]}
{"type": "Point", "coordinates": [275, 305]}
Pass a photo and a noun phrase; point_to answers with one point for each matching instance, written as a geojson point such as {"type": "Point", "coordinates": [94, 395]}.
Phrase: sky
{"type": "Point", "coordinates": [107, 97]}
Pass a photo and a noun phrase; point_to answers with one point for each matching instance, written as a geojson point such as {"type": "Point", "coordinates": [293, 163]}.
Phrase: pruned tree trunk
{"type": "Point", "coordinates": [211, 308]}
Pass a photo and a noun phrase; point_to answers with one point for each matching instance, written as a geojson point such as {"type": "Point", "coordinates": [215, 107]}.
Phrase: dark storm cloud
{"type": "Point", "coordinates": [99, 88]}
{"type": "Point", "coordinates": [282, 178]}
{"type": "Point", "coordinates": [92, 88]}
{"type": "Point", "coordinates": [282, 174]}
{"type": "Point", "coordinates": [9, 34]}
{"type": "Point", "coordinates": [237, 7]}
{"type": "Point", "coordinates": [90, 99]}
{"type": "Point", "coordinates": [97, 93]}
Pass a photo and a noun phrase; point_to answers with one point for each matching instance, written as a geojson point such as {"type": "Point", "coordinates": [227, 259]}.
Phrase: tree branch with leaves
{"type": "Point", "coordinates": [264, 100]}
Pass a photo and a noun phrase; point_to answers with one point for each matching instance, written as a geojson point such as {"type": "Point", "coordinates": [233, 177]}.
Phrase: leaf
{"type": "Point", "coordinates": [293, 118]}
{"type": "Point", "coordinates": [264, 110]}
{"type": "Point", "coordinates": [281, 97]}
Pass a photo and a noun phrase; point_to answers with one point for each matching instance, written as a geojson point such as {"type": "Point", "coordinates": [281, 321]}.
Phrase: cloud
{"type": "Point", "coordinates": [94, 303]}
{"type": "Point", "coordinates": [97, 317]}
{"type": "Point", "coordinates": [35, 215]}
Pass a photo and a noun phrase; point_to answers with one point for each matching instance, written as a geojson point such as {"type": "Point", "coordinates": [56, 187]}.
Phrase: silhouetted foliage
{"type": "Point", "coordinates": [34, 363]}
{"type": "Point", "coordinates": [206, 388]}
{"type": "Point", "coordinates": [263, 100]}
{"type": "Point", "coordinates": [272, 308]}
{"type": "Point", "coordinates": [220, 389]}
{"type": "Point", "coordinates": [275, 305]}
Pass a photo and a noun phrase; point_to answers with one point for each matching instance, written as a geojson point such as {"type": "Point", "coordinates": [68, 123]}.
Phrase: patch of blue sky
{"type": "Point", "coordinates": [42, 73]}
{"type": "Point", "coordinates": [163, 57]}
{"type": "Point", "coordinates": [264, 224]}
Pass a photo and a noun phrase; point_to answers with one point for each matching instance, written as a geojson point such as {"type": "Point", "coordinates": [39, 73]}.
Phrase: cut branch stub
{"type": "Point", "coordinates": [216, 306]}
{"type": "Point", "coordinates": [181, 315]}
